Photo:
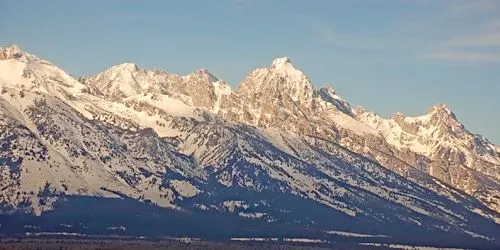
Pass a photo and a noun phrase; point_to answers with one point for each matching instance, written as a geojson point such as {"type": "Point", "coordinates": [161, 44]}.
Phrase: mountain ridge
{"type": "Point", "coordinates": [290, 96]}
{"type": "Point", "coordinates": [191, 143]}
{"type": "Point", "coordinates": [288, 87]}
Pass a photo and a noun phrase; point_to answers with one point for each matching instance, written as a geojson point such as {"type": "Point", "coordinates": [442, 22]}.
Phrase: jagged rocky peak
{"type": "Point", "coordinates": [204, 75]}
{"type": "Point", "coordinates": [283, 66]}
{"type": "Point", "coordinates": [281, 78]}
{"type": "Point", "coordinates": [400, 117]}
{"type": "Point", "coordinates": [124, 70]}
{"type": "Point", "coordinates": [329, 94]}
{"type": "Point", "coordinates": [117, 81]}
{"type": "Point", "coordinates": [204, 72]}
{"type": "Point", "coordinates": [440, 114]}
{"type": "Point", "coordinates": [281, 61]}
{"type": "Point", "coordinates": [409, 125]}
{"type": "Point", "coordinates": [328, 90]}
{"type": "Point", "coordinates": [13, 52]}
{"type": "Point", "coordinates": [128, 67]}
{"type": "Point", "coordinates": [441, 109]}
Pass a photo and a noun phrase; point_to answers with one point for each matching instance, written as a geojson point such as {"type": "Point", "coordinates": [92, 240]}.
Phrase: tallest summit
{"type": "Point", "coordinates": [281, 61]}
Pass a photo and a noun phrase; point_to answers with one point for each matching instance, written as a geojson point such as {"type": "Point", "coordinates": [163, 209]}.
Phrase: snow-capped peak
{"type": "Point", "coordinates": [19, 69]}
{"type": "Point", "coordinates": [13, 49]}
{"type": "Point", "coordinates": [441, 114]}
{"type": "Point", "coordinates": [280, 78]}
{"type": "Point", "coordinates": [13, 52]}
{"type": "Point", "coordinates": [203, 74]}
{"type": "Point", "coordinates": [129, 67]}
{"type": "Point", "coordinates": [283, 66]}
{"type": "Point", "coordinates": [281, 61]}
{"type": "Point", "coordinates": [441, 108]}
{"type": "Point", "coordinates": [118, 81]}
{"type": "Point", "coordinates": [306, 142]}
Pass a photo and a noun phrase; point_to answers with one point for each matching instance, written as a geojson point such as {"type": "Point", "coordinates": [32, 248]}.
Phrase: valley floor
{"type": "Point", "coordinates": [125, 244]}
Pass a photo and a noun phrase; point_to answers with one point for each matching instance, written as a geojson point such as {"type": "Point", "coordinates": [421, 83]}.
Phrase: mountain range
{"type": "Point", "coordinates": [149, 152]}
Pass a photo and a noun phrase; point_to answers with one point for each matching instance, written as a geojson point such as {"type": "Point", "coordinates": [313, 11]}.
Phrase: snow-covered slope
{"type": "Point", "coordinates": [49, 145]}
{"type": "Point", "coordinates": [428, 133]}
{"type": "Point", "coordinates": [55, 148]}
{"type": "Point", "coordinates": [26, 72]}
{"type": "Point", "coordinates": [199, 89]}
{"type": "Point", "coordinates": [281, 96]}
{"type": "Point", "coordinates": [275, 151]}
{"type": "Point", "coordinates": [454, 155]}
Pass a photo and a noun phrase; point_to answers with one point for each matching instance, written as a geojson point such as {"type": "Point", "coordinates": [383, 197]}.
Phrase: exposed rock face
{"type": "Point", "coordinates": [199, 89]}
{"type": "Point", "coordinates": [446, 149]}
{"type": "Point", "coordinates": [328, 94]}
{"type": "Point", "coordinates": [274, 142]}
{"type": "Point", "coordinates": [282, 96]}
{"type": "Point", "coordinates": [12, 52]}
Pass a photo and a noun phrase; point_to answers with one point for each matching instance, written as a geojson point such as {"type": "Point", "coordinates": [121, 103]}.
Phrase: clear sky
{"type": "Point", "coordinates": [387, 55]}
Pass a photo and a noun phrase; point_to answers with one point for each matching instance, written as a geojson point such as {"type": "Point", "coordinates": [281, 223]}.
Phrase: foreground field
{"type": "Point", "coordinates": [124, 244]}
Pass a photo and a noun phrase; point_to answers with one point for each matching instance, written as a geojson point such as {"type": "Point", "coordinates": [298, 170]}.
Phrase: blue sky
{"type": "Point", "coordinates": [387, 55]}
